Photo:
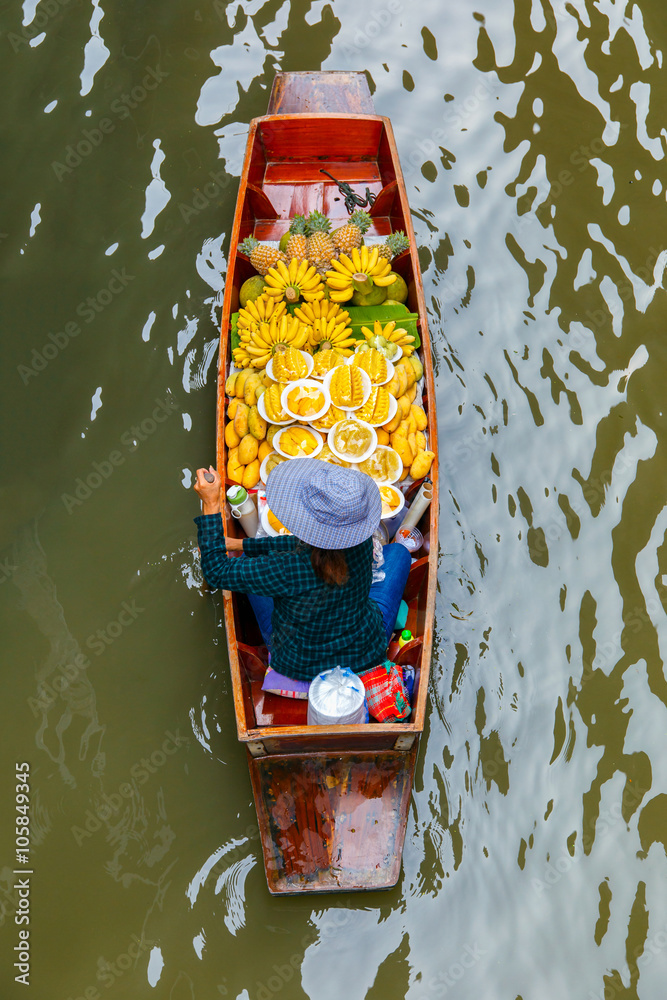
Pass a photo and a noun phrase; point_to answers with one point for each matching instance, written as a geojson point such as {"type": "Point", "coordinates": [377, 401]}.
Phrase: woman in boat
{"type": "Point", "coordinates": [312, 590]}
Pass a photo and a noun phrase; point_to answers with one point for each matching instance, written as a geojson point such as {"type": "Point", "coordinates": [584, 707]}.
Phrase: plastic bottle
{"type": "Point", "coordinates": [243, 510]}
{"type": "Point", "coordinates": [405, 636]}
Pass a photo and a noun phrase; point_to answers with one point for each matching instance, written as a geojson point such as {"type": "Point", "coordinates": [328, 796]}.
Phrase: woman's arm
{"type": "Point", "coordinates": [275, 575]}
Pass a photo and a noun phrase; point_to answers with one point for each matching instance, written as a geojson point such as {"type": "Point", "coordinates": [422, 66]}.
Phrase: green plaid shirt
{"type": "Point", "coordinates": [315, 625]}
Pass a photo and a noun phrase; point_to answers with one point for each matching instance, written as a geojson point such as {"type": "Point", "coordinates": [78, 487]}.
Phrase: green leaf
{"type": "Point", "coordinates": [236, 340]}
{"type": "Point", "coordinates": [367, 315]}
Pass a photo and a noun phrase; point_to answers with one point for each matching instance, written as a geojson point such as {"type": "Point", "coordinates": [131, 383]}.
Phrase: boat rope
{"type": "Point", "coordinates": [352, 200]}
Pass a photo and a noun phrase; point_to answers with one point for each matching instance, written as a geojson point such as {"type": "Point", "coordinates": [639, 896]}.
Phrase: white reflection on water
{"type": "Point", "coordinates": [95, 53]}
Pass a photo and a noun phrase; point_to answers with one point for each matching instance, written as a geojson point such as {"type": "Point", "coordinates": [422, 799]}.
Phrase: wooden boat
{"type": "Point", "coordinates": [331, 802]}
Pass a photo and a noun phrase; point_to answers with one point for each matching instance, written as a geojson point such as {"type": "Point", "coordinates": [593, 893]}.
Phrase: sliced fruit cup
{"type": "Point", "coordinates": [384, 465]}
{"type": "Point", "coordinates": [269, 464]}
{"type": "Point", "coordinates": [261, 406]}
{"type": "Point", "coordinates": [352, 440]}
{"type": "Point", "coordinates": [308, 358]}
{"type": "Point", "coordinates": [268, 521]}
{"type": "Point", "coordinates": [306, 434]}
{"type": "Point", "coordinates": [390, 370]}
{"type": "Point", "coordinates": [366, 393]}
{"type": "Point", "coordinates": [314, 373]}
{"type": "Point", "coordinates": [393, 502]}
{"type": "Point", "coordinates": [393, 407]}
{"type": "Point", "coordinates": [305, 399]}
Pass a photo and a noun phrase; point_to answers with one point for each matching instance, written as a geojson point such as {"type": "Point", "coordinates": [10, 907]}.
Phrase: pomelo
{"type": "Point", "coordinates": [374, 297]}
{"type": "Point", "coordinates": [251, 289]}
{"type": "Point", "coordinates": [398, 289]}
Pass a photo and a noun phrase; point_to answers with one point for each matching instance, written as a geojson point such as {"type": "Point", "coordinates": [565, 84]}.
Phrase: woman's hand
{"type": "Point", "coordinates": [233, 544]}
{"type": "Point", "coordinates": [209, 492]}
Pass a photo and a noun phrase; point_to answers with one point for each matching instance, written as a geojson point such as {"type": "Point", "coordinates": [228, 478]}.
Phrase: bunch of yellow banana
{"type": "Point", "coordinates": [391, 332]}
{"type": "Point", "coordinates": [329, 325]}
{"type": "Point", "coordinates": [259, 342]}
{"type": "Point", "coordinates": [289, 365]}
{"type": "Point", "coordinates": [262, 310]}
{"type": "Point", "coordinates": [298, 442]}
{"type": "Point", "coordinates": [361, 270]}
{"type": "Point", "coordinates": [373, 363]}
{"type": "Point", "coordinates": [376, 408]}
{"type": "Point", "coordinates": [273, 406]}
{"type": "Point", "coordinates": [346, 387]}
{"type": "Point", "coordinates": [297, 281]}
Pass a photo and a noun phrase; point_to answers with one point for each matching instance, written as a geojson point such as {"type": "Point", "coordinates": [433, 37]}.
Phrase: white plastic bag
{"type": "Point", "coordinates": [337, 697]}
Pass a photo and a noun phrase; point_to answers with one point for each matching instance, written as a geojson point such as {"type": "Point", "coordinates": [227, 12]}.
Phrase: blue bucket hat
{"type": "Point", "coordinates": [324, 504]}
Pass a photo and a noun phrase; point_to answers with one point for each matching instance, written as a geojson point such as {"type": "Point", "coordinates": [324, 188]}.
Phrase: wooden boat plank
{"type": "Point", "coordinates": [332, 823]}
{"type": "Point", "coordinates": [320, 91]}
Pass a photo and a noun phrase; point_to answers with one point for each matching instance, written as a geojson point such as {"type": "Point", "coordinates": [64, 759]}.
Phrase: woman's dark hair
{"type": "Point", "coordinates": [329, 565]}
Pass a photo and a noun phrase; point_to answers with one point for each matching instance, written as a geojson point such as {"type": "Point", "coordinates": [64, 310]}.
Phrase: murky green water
{"type": "Point", "coordinates": [533, 145]}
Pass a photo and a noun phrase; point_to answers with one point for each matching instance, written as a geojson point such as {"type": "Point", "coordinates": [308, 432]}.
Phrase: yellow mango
{"type": "Point", "coordinates": [409, 371]}
{"type": "Point", "coordinates": [410, 423]}
{"type": "Point", "coordinates": [248, 449]}
{"type": "Point", "coordinates": [400, 444]}
{"type": "Point", "coordinates": [391, 425]}
{"type": "Point", "coordinates": [402, 377]}
{"type": "Point", "coordinates": [417, 365]}
{"type": "Point", "coordinates": [393, 385]}
{"type": "Point", "coordinates": [250, 388]}
{"type": "Point", "coordinates": [229, 384]}
{"type": "Point", "coordinates": [412, 392]}
{"type": "Point", "coordinates": [420, 438]}
{"type": "Point", "coordinates": [251, 475]}
{"type": "Point", "coordinates": [232, 440]}
{"type": "Point", "coordinates": [231, 409]}
{"type": "Point", "coordinates": [422, 464]}
{"type": "Point", "coordinates": [420, 417]}
{"type": "Point", "coordinates": [241, 419]}
{"type": "Point", "coordinates": [234, 468]}
{"type": "Point", "coordinates": [241, 379]}
{"type": "Point", "coordinates": [264, 450]}
{"type": "Point", "coordinates": [257, 425]}
{"type": "Point", "coordinates": [383, 436]}
{"type": "Point", "coordinates": [411, 441]}
{"type": "Point", "coordinates": [403, 406]}
{"type": "Point", "coordinates": [403, 475]}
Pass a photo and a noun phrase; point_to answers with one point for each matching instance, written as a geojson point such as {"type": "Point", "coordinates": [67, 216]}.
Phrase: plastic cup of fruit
{"type": "Point", "coordinates": [366, 393]}
{"type": "Point", "coordinates": [351, 455]}
{"type": "Point", "coordinates": [412, 538]}
{"type": "Point", "coordinates": [268, 527]}
{"type": "Point", "coordinates": [308, 358]}
{"type": "Point", "coordinates": [391, 496]}
{"type": "Point", "coordinates": [316, 388]}
{"type": "Point", "coordinates": [390, 368]}
{"type": "Point", "coordinates": [376, 473]}
{"type": "Point", "coordinates": [319, 444]}
{"type": "Point", "coordinates": [262, 412]}
{"type": "Point", "coordinates": [393, 407]}
{"type": "Point", "coordinates": [270, 460]}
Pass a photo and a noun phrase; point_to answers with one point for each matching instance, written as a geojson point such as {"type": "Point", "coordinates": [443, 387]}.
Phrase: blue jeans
{"type": "Point", "coordinates": [387, 593]}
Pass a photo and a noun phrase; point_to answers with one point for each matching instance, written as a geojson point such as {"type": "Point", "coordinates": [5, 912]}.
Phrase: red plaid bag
{"type": "Point", "coordinates": [386, 694]}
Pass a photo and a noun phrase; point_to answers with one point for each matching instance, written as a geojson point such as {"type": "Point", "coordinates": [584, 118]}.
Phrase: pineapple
{"type": "Point", "coordinates": [394, 244]}
{"type": "Point", "coordinates": [297, 243]}
{"type": "Point", "coordinates": [320, 247]}
{"type": "Point", "coordinates": [262, 255]}
{"type": "Point", "coordinates": [349, 236]}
